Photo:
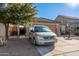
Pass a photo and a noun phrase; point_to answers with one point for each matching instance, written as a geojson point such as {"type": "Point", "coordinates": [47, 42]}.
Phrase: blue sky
{"type": "Point", "coordinates": [52, 10]}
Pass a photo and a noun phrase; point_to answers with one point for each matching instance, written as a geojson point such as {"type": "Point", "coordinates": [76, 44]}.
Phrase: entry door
{"type": "Point", "coordinates": [22, 30]}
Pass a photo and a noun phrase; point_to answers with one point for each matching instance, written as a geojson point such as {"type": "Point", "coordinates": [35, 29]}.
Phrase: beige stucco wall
{"type": "Point", "coordinates": [2, 30]}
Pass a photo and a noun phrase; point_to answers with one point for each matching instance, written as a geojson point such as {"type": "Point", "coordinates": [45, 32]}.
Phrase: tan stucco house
{"type": "Point", "coordinates": [53, 25]}
{"type": "Point", "coordinates": [67, 22]}
{"type": "Point", "coordinates": [13, 29]}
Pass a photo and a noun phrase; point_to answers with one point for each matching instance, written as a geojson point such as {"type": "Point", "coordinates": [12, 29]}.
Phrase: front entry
{"type": "Point", "coordinates": [21, 30]}
{"type": "Point", "coordinates": [14, 30]}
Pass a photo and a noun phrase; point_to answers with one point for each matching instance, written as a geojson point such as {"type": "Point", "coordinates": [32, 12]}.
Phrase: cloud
{"type": "Point", "coordinates": [72, 5]}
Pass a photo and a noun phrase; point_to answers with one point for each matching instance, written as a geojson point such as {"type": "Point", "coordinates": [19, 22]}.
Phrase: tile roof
{"type": "Point", "coordinates": [41, 19]}
{"type": "Point", "coordinates": [69, 17]}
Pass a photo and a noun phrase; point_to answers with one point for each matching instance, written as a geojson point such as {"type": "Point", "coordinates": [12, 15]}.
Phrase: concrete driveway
{"type": "Point", "coordinates": [20, 47]}
{"type": "Point", "coordinates": [65, 48]}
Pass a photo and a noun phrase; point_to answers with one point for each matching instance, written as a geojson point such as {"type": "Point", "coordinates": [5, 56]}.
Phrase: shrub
{"type": "Point", "coordinates": [77, 33]}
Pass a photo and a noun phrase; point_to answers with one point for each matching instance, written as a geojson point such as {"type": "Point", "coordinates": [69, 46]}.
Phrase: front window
{"type": "Point", "coordinates": [41, 29]}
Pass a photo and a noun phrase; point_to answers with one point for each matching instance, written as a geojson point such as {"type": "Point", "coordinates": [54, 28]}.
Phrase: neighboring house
{"type": "Point", "coordinates": [67, 22]}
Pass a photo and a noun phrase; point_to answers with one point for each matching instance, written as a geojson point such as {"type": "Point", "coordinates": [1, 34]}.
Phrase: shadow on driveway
{"type": "Point", "coordinates": [44, 49]}
{"type": "Point", "coordinates": [20, 47]}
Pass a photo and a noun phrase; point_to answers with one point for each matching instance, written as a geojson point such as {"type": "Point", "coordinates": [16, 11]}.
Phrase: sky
{"type": "Point", "coordinates": [52, 10]}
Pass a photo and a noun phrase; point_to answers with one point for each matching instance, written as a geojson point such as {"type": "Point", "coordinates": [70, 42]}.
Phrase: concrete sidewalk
{"type": "Point", "coordinates": [65, 48]}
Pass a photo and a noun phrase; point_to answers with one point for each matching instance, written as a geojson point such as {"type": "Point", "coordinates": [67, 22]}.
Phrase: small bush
{"type": "Point", "coordinates": [77, 33]}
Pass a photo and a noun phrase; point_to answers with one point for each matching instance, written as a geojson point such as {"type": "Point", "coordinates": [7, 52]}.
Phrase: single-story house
{"type": "Point", "coordinates": [60, 25]}
{"type": "Point", "coordinates": [13, 29]}
{"type": "Point", "coordinates": [67, 22]}
{"type": "Point", "coordinates": [53, 25]}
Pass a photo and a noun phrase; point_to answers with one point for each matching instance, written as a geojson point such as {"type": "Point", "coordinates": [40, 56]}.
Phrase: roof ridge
{"type": "Point", "coordinates": [45, 18]}
{"type": "Point", "coordinates": [68, 16]}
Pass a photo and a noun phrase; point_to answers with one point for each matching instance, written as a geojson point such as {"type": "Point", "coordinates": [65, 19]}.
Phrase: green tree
{"type": "Point", "coordinates": [17, 13]}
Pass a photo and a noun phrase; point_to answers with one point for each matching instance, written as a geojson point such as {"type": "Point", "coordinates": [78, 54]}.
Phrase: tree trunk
{"type": "Point", "coordinates": [6, 31]}
{"type": "Point", "coordinates": [25, 31]}
{"type": "Point", "coordinates": [18, 31]}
